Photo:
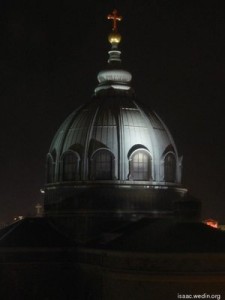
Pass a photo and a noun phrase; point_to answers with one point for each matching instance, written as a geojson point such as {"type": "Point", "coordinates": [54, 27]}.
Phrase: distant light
{"type": "Point", "coordinates": [18, 218]}
{"type": "Point", "coordinates": [42, 191]}
{"type": "Point", "coordinates": [212, 223]}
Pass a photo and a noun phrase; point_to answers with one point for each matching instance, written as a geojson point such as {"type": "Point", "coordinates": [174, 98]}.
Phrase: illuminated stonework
{"type": "Point", "coordinates": [112, 160]}
{"type": "Point", "coordinates": [115, 123]}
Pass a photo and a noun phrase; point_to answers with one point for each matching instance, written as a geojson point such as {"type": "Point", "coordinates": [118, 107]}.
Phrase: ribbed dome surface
{"type": "Point", "coordinates": [113, 120]}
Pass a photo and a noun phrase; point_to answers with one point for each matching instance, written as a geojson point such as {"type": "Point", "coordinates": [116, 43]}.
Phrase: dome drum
{"type": "Point", "coordinates": [139, 168]}
{"type": "Point", "coordinates": [108, 204]}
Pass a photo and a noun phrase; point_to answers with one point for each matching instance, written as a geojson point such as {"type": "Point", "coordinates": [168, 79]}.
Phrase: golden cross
{"type": "Point", "coordinates": [115, 19]}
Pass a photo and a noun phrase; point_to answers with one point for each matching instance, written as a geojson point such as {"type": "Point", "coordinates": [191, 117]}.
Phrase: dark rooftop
{"type": "Point", "coordinates": [32, 232]}
{"type": "Point", "coordinates": [166, 235]}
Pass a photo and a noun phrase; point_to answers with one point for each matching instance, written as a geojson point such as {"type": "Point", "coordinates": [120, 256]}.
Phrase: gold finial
{"type": "Point", "coordinates": [114, 37]}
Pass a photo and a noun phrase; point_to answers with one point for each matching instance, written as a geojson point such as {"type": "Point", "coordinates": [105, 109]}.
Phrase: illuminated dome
{"type": "Point", "coordinates": [112, 160]}
{"type": "Point", "coordinates": [114, 138]}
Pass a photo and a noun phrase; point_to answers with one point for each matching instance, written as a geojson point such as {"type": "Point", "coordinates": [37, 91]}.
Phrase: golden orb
{"type": "Point", "coordinates": [114, 38]}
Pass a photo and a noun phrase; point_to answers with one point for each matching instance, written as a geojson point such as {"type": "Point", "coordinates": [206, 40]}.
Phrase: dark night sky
{"type": "Point", "coordinates": [50, 54]}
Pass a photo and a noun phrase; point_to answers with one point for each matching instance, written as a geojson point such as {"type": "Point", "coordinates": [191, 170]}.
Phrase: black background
{"type": "Point", "coordinates": [50, 54]}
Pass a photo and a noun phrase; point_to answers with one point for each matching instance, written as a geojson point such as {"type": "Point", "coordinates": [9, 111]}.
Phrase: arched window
{"type": "Point", "coordinates": [50, 169]}
{"type": "Point", "coordinates": [102, 165]}
{"type": "Point", "coordinates": [170, 168]}
{"type": "Point", "coordinates": [70, 166]}
{"type": "Point", "coordinates": [140, 165]}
